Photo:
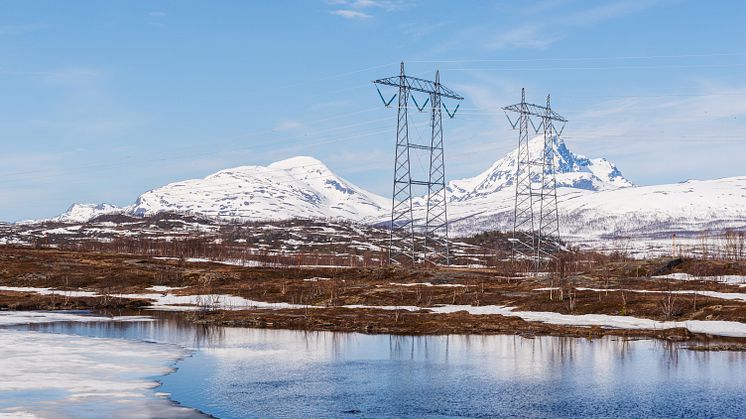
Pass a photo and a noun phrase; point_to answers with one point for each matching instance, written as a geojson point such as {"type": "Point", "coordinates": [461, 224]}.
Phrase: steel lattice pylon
{"type": "Point", "coordinates": [410, 238]}
{"type": "Point", "coordinates": [536, 230]}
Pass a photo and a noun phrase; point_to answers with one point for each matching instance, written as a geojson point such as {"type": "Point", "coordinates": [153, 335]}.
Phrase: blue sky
{"type": "Point", "coordinates": [102, 101]}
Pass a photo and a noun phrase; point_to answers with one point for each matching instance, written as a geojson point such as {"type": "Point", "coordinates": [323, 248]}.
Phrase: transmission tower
{"type": "Point", "coordinates": [536, 230]}
{"type": "Point", "coordinates": [409, 237]}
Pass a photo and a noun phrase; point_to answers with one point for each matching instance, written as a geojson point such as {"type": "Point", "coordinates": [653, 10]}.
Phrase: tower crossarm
{"type": "Point", "coordinates": [419, 85]}
{"type": "Point", "coordinates": [535, 110]}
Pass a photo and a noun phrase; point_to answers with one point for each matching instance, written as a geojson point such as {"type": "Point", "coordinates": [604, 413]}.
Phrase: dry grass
{"type": "Point", "coordinates": [110, 274]}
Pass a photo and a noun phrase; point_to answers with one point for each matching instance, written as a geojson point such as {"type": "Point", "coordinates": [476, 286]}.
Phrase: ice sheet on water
{"type": "Point", "coordinates": [50, 291]}
{"type": "Point", "coordinates": [10, 318]}
{"type": "Point", "coordinates": [67, 376]}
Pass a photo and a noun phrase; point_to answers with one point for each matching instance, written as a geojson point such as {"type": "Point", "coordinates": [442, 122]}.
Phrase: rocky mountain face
{"type": "Point", "coordinates": [573, 171]}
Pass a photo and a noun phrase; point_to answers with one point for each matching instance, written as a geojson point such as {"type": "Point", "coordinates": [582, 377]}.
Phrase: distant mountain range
{"type": "Point", "coordinates": [596, 201]}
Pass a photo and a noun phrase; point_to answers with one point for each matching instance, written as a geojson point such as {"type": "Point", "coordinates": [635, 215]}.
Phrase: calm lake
{"type": "Point", "coordinates": [238, 373]}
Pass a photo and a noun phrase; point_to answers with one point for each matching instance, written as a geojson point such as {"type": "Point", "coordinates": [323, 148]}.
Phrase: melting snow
{"type": "Point", "coordinates": [72, 376]}
{"type": "Point", "coordinates": [726, 279]}
{"type": "Point", "coordinates": [163, 288]}
{"type": "Point", "coordinates": [426, 284]}
{"type": "Point", "coordinates": [230, 302]}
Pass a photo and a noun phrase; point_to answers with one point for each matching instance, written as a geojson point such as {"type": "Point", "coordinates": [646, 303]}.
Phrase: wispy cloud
{"type": "Point", "coordinates": [156, 18]}
{"type": "Point", "coordinates": [71, 75]}
{"type": "Point", "coordinates": [21, 29]}
{"type": "Point", "coordinates": [387, 5]}
{"type": "Point", "coordinates": [606, 11]}
{"type": "Point", "coordinates": [529, 36]}
{"type": "Point", "coordinates": [288, 125]}
{"type": "Point", "coordinates": [360, 9]}
{"type": "Point", "coordinates": [541, 36]}
{"type": "Point", "coordinates": [351, 14]}
{"type": "Point", "coordinates": [537, 26]}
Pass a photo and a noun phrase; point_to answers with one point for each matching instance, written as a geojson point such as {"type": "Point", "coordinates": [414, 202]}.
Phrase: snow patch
{"type": "Point", "coordinates": [87, 377]}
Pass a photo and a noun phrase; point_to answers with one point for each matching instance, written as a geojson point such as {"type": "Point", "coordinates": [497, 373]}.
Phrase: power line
{"type": "Point", "coordinates": [612, 58]}
{"type": "Point", "coordinates": [674, 66]}
{"type": "Point", "coordinates": [293, 141]}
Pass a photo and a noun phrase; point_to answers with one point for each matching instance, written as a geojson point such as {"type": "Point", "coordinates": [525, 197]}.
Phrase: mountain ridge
{"type": "Point", "coordinates": [596, 201]}
{"type": "Point", "coordinates": [297, 187]}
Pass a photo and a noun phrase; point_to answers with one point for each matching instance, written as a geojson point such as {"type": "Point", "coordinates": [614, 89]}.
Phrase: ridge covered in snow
{"type": "Point", "coordinates": [573, 171]}
{"type": "Point", "coordinates": [299, 187]}
{"type": "Point", "coordinates": [84, 212]}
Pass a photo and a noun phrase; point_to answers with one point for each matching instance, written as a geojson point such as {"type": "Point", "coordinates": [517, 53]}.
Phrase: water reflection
{"type": "Point", "coordinates": [238, 372]}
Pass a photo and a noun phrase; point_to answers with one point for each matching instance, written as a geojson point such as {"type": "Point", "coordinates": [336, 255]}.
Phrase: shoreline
{"type": "Point", "coordinates": [376, 321]}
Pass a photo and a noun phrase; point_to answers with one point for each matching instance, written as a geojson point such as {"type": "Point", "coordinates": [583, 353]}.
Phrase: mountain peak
{"type": "Point", "coordinates": [297, 162]}
{"type": "Point", "coordinates": [573, 171]}
{"type": "Point", "coordinates": [298, 187]}
{"type": "Point", "coordinates": [83, 212]}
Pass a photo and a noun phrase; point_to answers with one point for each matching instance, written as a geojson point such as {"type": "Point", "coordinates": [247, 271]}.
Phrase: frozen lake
{"type": "Point", "coordinates": [235, 372]}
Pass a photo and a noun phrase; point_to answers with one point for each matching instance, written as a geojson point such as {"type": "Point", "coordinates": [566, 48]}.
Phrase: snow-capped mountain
{"type": "Point", "coordinates": [80, 213]}
{"type": "Point", "coordinates": [596, 202]}
{"type": "Point", "coordinates": [573, 171]}
{"type": "Point", "coordinates": [299, 187]}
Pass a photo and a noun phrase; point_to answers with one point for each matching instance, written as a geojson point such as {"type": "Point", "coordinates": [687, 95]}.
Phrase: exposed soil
{"type": "Point", "coordinates": [32, 301]}
{"type": "Point", "coordinates": [416, 323]}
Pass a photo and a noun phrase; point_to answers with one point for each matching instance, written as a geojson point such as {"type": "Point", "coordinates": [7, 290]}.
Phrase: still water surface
{"type": "Point", "coordinates": [237, 373]}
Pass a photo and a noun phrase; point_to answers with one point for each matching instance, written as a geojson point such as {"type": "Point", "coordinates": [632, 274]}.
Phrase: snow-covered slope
{"type": "Point", "coordinates": [691, 206]}
{"type": "Point", "coordinates": [80, 213]}
{"type": "Point", "coordinates": [300, 187]}
{"type": "Point", "coordinates": [641, 218]}
{"type": "Point", "coordinates": [573, 171]}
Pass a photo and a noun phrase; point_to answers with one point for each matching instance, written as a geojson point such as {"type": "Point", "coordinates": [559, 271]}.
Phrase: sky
{"type": "Point", "coordinates": [102, 101]}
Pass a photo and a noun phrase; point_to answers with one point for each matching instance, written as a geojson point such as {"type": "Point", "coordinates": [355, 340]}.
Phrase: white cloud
{"type": "Point", "coordinates": [387, 5]}
{"type": "Point", "coordinates": [604, 12]}
{"type": "Point", "coordinates": [20, 29]}
{"type": "Point", "coordinates": [554, 20]}
{"type": "Point", "coordinates": [354, 9]}
{"type": "Point", "coordinates": [529, 36]}
{"type": "Point", "coordinates": [288, 125]}
{"type": "Point", "coordinates": [351, 14]}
